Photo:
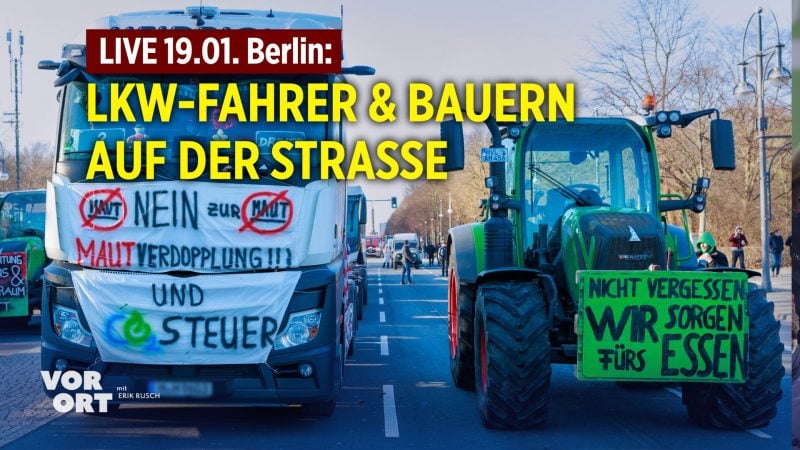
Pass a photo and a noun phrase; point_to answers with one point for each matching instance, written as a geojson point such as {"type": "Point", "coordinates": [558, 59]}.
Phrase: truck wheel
{"type": "Point", "coordinates": [358, 302]}
{"type": "Point", "coordinates": [512, 355]}
{"type": "Point", "coordinates": [365, 285]}
{"type": "Point", "coordinates": [754, 403]}
{"type": "Point", "coordinates": [324, 409]}
{"type": "Point", "coordinates": [462, 359]}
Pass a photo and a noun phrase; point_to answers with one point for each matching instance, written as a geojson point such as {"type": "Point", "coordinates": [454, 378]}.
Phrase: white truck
{"type": "Point", "coordinates": [413, 242]}
{"type": "Point", "coordinates": [231, 292]}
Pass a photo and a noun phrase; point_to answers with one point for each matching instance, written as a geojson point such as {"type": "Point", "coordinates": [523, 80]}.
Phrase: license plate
{"type": "Point", "coordinates": [493, 154]}
{"type": "Point", "coordinates": [182, 389]}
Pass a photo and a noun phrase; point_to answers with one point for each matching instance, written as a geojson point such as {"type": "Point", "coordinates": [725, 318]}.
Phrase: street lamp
{"type": "Point", "coordinates": [449, 212]}
{"type": "Point", "coordinates": [3, 172]}
{"type": "Point", "coordinates": [744, 90]}
{"type": "Point", "coordinates": [441, 216]}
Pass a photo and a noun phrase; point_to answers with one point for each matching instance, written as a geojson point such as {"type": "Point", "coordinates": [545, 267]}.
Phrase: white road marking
{"type": "Point", "coordinates": [389, 412]}
{"type": "Point", "coordinates": [759, 433]}
{"type": "Point", "coordinates": [380, 300]}
{"type": "Point", "coordinates": [380, 291]}
{"type": "Point", "coordinates": [384, 346]}
{"type": "Point", "coordinates": [383, 317]}
{"type": "Point", "coordinates": [380, 284]}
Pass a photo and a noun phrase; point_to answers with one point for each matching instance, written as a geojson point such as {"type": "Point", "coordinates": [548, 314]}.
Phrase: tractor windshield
{"type": "Point", "coordinates": [22, 214]}
{"type": "Point", "coordinates": [588, 162]}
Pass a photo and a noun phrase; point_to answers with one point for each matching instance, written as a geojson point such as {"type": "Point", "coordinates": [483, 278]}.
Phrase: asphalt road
{"type": "Point", "coordinates": [398, 394]}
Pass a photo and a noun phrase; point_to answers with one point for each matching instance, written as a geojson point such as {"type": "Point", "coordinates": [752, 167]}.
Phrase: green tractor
{"type": "Point", "coordinates": [575, 263]}
{"type": "Point", "coordinates": [22, 255]}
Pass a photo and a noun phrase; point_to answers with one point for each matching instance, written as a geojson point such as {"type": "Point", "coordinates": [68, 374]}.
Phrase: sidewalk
{"type": "Point", "coordinates": [781, 296]}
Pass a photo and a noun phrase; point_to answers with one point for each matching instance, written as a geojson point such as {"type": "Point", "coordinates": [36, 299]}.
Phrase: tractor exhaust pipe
{"type": "Point", "coordinates": [498, 234]}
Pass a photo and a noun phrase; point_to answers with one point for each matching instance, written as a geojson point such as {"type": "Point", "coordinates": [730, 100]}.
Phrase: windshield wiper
{"type": "Point", "coordinates": [562, 188]}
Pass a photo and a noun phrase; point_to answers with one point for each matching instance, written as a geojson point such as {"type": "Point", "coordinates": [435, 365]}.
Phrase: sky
{"type": "Point", "coordinates": [409, 40]}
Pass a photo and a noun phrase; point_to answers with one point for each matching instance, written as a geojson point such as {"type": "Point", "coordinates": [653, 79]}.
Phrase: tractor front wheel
{"type": "Point", "coordinates": [512, 355]}
{"type": "Point", "coordinates": [461, 302]}
{"type": "Point", "coordinates": [754, 403]}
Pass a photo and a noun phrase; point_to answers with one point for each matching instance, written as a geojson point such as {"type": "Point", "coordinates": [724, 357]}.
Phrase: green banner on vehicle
{"type": "Point", "coordinates": [662, 325]}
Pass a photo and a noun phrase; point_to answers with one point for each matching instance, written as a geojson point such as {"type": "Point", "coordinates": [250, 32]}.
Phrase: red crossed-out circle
{"type": "Point", "coordinates": [248, 223]}
{"type": "Point", "coordinates": [109, 195]}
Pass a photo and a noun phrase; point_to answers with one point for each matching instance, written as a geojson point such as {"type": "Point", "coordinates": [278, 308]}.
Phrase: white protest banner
{"type": "Point", "coordinates": [177, 225]}
{"type": "Point", "coordinates": [204, 319]}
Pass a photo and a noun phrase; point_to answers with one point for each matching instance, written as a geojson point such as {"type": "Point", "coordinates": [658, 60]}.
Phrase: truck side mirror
{"type": "Point", "coordinates": [362, 212]}
{"type": "Point", "coordinates": [722, 149]}
{"type": "Point", "coordinates": [453, 135]}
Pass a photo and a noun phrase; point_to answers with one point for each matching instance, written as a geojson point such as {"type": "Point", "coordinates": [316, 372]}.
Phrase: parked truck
{"type": "Point", "coordinates": [576, 262]}
{"type": "Point", "coordinates": [22, 256]}
{"type": "Point", "coordinates": [196, 291]}
{"type": "Point", "coordinates": [357, 257]}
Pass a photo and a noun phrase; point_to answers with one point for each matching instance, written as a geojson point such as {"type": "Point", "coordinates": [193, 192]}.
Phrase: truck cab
{"type": "Point", "coordinates": [198, 291]}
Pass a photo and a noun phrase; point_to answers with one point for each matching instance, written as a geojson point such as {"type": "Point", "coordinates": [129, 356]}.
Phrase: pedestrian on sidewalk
{"type": "Point", "coordinates": [407, 260]}
{"type": "Point", "coordinates": [738, 242]}
{"type": "Point", "coordinates": [776, 250]}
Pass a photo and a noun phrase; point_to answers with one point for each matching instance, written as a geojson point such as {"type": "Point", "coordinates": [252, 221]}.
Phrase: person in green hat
{"type": "Point", "coordinates": [707, 252]}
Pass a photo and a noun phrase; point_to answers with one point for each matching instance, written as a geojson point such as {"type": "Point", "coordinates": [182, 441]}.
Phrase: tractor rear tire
{"type": "Point", "coordinates": [462, 355]}
{"type": "Point", "coordinates": [754, 403]}
{"type": "Point", "coordinates": [512, 355]}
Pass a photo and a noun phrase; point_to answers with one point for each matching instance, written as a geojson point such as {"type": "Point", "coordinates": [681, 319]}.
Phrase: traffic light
{"type": "Point", "coordinates": [394, 202]}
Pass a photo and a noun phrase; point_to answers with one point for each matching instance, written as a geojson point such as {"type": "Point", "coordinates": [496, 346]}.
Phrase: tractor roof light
{"type": "Point", "coordinates": [649, 103]}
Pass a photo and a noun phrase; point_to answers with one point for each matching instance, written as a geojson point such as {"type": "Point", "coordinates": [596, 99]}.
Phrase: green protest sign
{"type": "Point", "coordinates": [663, 326]}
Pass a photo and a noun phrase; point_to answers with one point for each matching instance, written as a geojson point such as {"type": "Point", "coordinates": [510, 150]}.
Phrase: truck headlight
{"type": "Point", "coordinates": [301, 327]}
{"type": "Point", "coordinates": [67, 326]}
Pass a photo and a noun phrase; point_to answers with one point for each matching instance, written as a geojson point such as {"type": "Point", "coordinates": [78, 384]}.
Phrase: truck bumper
{"type": "Point", "coordinates": [276, 382]}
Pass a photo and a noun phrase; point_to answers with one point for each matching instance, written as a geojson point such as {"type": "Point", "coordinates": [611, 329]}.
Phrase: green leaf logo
{"type": "Point", "coordinates": [135, 329]}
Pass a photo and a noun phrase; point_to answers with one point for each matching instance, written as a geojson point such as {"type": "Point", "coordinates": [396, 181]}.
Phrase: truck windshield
{"type": "Point", "coordinates": [588, 162]}
{"type": "Point", "coordinates": [22, 214]}
{"type": "Point", "coordinates": [399, 245]}
{"type": "Point", "coordinates": [79, 134]}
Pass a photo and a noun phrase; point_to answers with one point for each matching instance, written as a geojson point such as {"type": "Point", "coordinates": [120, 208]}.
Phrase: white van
{"type": "Point", "coordinates": [397, 247]}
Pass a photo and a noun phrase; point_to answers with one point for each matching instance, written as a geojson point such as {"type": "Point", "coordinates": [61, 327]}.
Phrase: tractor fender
{"type": "Point", "coordinates": [555, 312]}
{"type": "Point", "coordinates": [465, 251]}
{"type": "Point", "coordinates": [750, 273]}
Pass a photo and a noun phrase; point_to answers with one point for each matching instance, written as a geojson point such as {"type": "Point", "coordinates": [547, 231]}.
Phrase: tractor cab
{"type": "Point", "coordinates": [588, 176]}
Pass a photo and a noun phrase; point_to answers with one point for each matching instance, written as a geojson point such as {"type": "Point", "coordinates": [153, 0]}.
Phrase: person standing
{"type": "Point", "coordinates": [442, 254]}
{"type": "Point", "coordinates": [387, 256]}
{"type": "Point", "coordinates": [708, 253]}
{"type": "Point", "coordinates": [431, 251]}
{"type": "Point", "coordinates": [407, 260]}
{"type": "Point", "coordinates": [776, 250]}
{"type": "Point", "coordinates": [738, 242]}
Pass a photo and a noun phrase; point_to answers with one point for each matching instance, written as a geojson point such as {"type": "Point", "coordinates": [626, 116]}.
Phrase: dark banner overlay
{"type": "Point", "coordinates": [201, 52]}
